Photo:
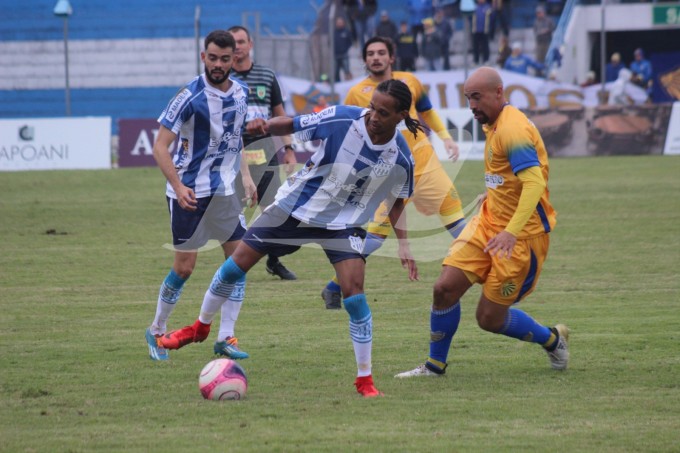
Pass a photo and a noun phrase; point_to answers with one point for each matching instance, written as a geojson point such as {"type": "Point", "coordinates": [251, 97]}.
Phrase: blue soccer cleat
{"type": "Point", "coordinates": [156, 351]}
{"type": "Point", "coordinates": [229, 348]}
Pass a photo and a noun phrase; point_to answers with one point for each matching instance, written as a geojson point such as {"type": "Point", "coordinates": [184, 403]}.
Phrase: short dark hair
{"type": "Point", "coordinates": [221, 38]}
{"type": "Point", "coordinates": [387, 41]}
{"type": "Point", "coordinates": [239, 28]}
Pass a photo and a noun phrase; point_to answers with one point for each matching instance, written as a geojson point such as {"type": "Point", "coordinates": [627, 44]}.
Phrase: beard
{"type": "Point", "coordinates": [216, 79]}
{"type": "Point", "coordinates": [377, 72]}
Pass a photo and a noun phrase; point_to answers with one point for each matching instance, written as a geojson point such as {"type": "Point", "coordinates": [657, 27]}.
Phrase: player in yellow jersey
{"type": "Point", "coordinates": [503, 247]}
{"type": "Point", "coordinates": [434, 192]}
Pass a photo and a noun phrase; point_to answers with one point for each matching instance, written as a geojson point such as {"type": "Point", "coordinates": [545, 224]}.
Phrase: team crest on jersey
{"type": "Point", "coordinates": [366, 89]}
{"type": "Point", "coordinates": [241, 105]}
{"type": "Point", "coordinates": [356, 243]}
{"type": "Point", "coordinates": [382, 168]}
{"type": "Point", "coordinates": [261, 91]}
{"type": "Point", "coordinates": [508, 288]}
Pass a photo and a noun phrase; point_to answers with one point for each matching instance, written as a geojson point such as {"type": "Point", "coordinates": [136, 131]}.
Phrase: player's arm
{"type": "Point", "coordinates": [434, 122]}
{"type": "Point", "coordinates": [533, 186]}
{"type": "Point", "coordinates": [279, 125]}
{"type": "Point", "coordinates": [289, 159]}
{"type": "Point", "coordinates": [397, 217]}
{"type": "Point", "coordinates": [249, 186]}
{"type": "Point", "coordinates": [161, 152]}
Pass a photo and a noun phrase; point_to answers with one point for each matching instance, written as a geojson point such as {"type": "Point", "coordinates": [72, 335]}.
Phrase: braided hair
{"type": "Point", "coordinates": [400, 91]}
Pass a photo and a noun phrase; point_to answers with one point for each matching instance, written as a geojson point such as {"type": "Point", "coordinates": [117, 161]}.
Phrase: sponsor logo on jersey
{"type": "Point", "coordinates": [316, 118]}
{"type": "Point", "coordinates": [177, 104]}
{"type": "Point", "coordinates": [508, 288]}
{"type": "Point", "coordinates": [382, 168]}
{"type": "Point", "coordinates": [492, 181]}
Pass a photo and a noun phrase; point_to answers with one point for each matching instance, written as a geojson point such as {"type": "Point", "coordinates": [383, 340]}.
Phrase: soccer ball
{"type": "Point", "coordinates": [222, 379]}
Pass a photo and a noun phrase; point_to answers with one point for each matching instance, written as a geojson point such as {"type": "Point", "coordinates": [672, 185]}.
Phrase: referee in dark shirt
{"type": "Point", "coordinates": [264, 102]}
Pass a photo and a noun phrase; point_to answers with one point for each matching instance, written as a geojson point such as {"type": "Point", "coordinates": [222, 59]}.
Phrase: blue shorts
{"type": "Point", "coordinates": [277, 233]}
{"type": "Point", "coordinates": [218, 218]}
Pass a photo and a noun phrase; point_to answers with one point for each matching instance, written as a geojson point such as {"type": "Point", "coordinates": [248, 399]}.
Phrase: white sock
{"type": "Point", "coordinates": [361, 333]}
{"type": "Point", "coordinates": [218, 292]}
{"type": "Point", "coordinates": [230, 311]}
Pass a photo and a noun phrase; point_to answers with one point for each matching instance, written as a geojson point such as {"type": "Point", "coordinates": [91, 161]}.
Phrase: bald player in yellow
{"type": "Point", "coordinates": [434, 192]}
{"type": "Point", "coordinates": [503, 247]}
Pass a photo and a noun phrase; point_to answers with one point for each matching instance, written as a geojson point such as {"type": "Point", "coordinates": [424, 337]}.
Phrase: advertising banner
{"type": "Point", "coordinates": [55, 143]}
{"type": "Point", "coordinates": [135, 142]}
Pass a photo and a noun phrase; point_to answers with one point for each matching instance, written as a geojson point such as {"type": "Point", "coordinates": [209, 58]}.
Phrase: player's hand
{"type": "Point", "coordinates": [257, 127]}
{"type": "Point", "coordinates": [451, 149]}
{"type": "Point", "coordinates": [501, 245]}
{"type": "Point", "coordinates": [186, 198]}
{"type": "Point", "coordinates": [407, 261]}
{"type": "Point", "coordinates": [251, 192]}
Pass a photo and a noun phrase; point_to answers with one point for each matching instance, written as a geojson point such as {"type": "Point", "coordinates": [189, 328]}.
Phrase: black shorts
{"type": "Point", "coordinates": [275, 232]}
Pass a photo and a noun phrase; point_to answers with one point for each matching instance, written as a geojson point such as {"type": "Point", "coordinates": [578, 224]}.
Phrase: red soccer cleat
{"type": "Point", "coordinates": [366, 388]}
{"type": "Point", "coordinates": [197, 332]}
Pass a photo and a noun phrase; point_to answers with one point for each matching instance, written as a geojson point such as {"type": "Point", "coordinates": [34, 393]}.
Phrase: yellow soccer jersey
{"type": "Point", "coordinates": [513, 144]}
{"type": "Point", "coordinates": [421, 149]}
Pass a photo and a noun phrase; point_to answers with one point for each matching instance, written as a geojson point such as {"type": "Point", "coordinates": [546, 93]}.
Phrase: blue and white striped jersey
{"type": "Point", "coordinates": [345, 181]}
{"type": "Point", "coordinates": [209, 124]}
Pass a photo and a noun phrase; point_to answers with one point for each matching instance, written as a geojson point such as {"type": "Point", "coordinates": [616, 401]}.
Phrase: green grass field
{"type": "Point", "coordinates": [82, 258]}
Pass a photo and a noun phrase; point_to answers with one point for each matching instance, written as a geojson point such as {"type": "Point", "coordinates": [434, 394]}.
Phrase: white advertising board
{"type": "Point", "coordinates": [55, 143]}
{"type": "Point", "coordinates": [672, 145]}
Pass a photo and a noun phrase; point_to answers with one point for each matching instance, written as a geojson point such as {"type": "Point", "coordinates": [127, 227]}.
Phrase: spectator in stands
{"type": "Point", "coordinates": [543, 31]}
{"type": "Point", "coordinates": [386, 27]}
{"type": "Point", "coordinates": [611, 71]}
{"type": "Point", "coordinates": [342, 41]}
{"type": "Point", "coordinates": [418, 10]}
{"type": "Point", "coordinates": [553, 8]}
{"type": "Point", "coordinates": [504, 51]}
{"type": "Point", "coordinates": [501, 16]}
{"type": "Point", "coordinates": [432, 46]}
{"type": "Point", "coordinates": [617, 90]}
{"type": "Point", "coordinates": [407, 48]}
{"type": "Point", "coordinates": [481, 26]}
{"type": "Point", "coordinates": [445, 32]}
{"type": "Point", "coordinates": [590, 80]}
{"type": "Point", "coordinates": [520, 63]}
{"type": "Point", "coordinates": [641, 70]}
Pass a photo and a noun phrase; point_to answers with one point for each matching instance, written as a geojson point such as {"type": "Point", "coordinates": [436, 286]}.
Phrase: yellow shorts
{"type": "Point", "coordinates": [505, 280]}
{"type": "Point", "coordinates": [433, 193]}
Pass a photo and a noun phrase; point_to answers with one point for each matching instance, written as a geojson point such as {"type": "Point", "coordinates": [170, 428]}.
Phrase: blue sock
{"type": "Point", "coordinates": [520, 325]}
{"type": "Point", "coordinates": [357, 307]}
{"type": "Point", "coordinates": [171, 288]}
{"type": "Point", "coordinates": [443, 326]}
{"type": "Point", "coordinates": [230, 272]}
{"type": "Point", "coordinates": [456, 227]}
{"type": "Point", "coordinates": [333, 286]}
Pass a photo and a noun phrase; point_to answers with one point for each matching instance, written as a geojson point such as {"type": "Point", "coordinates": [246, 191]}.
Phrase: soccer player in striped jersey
{"type": "Point", "coordinates": [434, 192]}
{"type": "Point", "coordinates": [208, 115]}
{"type": "Point", "coordinates": [362, 161]}
{"type": "Point", "coordinates": [504, 247]}
{"type": "Point", "coordinates": [261, 151]}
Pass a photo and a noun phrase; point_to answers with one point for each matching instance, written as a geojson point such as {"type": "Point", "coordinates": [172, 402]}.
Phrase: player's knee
{"type": "Point", "coordinates": [184, 270]}
{"type": "Point", "coordinates": [487, 321]}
